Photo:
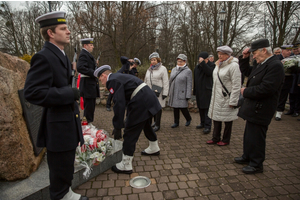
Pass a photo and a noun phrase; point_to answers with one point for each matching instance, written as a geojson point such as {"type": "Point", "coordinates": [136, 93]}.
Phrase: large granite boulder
{"type": "Point", "coordinates": [17, 159]}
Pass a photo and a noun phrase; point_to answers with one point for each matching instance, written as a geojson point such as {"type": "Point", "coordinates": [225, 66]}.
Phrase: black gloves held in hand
{"type": "Point", "coordinates": [76, 94]}
{"type": "Point", "coordinates": [117, 133]}
{"type": "Point", "coordinates": [164, 96]}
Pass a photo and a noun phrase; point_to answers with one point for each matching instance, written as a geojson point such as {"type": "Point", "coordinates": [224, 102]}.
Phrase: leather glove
{"type": "Point", "coordinates": [76, 94]}
{"type": "Point", "coordinates": [117, 133]}
{"type": "Point", "coordinates": [164, 96]}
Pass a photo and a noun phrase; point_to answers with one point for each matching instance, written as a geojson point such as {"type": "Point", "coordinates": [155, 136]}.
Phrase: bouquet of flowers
{"type": "Point", "coordinates": [97, 145]}
{"type": "Point", "coordinates": [291, 64]}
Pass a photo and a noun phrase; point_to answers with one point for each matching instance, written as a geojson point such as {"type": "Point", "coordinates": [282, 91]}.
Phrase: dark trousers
{"type": "Point", "coordinates": [205, 120]}
{"type": "Point", "coordinates": [89, 108]}
{"type": "Point", "coordinates": [132, 134]}
{"type": "Point", "coordinates": [294, 99]}
{"type": "Point", "coordinates": [108, 102]}
{"type": "Point", "coordinates": [61, 169]}
{"type": "Point", "coordinates": [185, 113]}
{"type": "Point", "coordinates": [217, 131]}
{"type": "Point", "coordinates": [255, 143]}
{"type": "Point", "coordinates": [284, 93]}
{"type": "Point", "coordinates": [157, 118]}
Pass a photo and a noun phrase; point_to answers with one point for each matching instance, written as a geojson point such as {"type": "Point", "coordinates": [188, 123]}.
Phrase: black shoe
{"type": "Point", "coordinates": [298, 119]}
{"type": "Point", "coordinates": [288, 113]}
{"type": "Point", "coordinates": [150, 154]}
{"type": "Point", "coordinates": [188, 122]}
{"type": "Point", "coordinates": [252, 170]}
{"type": "Point", "coordinates": [206, 130]}
{"type": "Point", "coordinates": [83, 198]}
{"type": "Point", "coordinates": [295, 115]}
{"type": "Point", "coordinates": [156, 128]}
{"type": "Point", "coordinates": [108, 109]}
{"type": "Point", "coordinates": [115, 169]}
{"type": "Point", "coordinates": [277, 118]}
{"type": "Point", "coordinates": [241, 160]}
{"type": "Point", "coordinates": [153, 124]}
{"type": "Point", "coordinates": [200, 126]}
{"type": "Point", "coordinates": [174, 125]}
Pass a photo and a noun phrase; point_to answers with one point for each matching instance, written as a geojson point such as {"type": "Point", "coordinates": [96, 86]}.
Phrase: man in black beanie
{"type": "Point", "coordinates": [203, 82]}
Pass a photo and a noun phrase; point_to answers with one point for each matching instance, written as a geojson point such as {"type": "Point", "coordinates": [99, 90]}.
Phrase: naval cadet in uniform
{"type": "Point", "coordinates": [89, 85]}
{"type": "Point", "coordinates": [131, 93]}
{"type": "Point", "coordinates": [48, 84]}
{"type": "Point", "coordinates": [128, 67]}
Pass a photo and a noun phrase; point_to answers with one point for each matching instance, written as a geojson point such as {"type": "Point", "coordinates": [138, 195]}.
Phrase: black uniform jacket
{"type": "Point", "coordinates": [263, 89]}
{"type": "Point", "coordinates": [48, 85]}
{"type": "Point", "coordinates": [89, 86]}
{"type": "Point", "coordinates": [140, 108]}
{"type": "Point", "coordinates": [203, 82]}
{"type": "Point", "coordinates": [126, 66]}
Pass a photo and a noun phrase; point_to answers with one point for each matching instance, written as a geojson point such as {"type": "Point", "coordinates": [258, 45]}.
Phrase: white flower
{"type": "Point", "coordinates": [103, 148]}
{"type": "Point", "coordinates": [94, 155]}
{"type": "Point", "coordinates": [100, 158]}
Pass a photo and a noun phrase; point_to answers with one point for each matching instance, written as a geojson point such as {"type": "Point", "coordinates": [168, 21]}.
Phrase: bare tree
{"type": "Point", "coordinates": [280, 15]}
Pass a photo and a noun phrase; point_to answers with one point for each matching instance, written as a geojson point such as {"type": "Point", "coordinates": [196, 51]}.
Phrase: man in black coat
{"type": "Point", "coordinates": [131, 93]}
{"type": "Point", "coordinates": [203, 82]}
{"type": "Point", "coordinates": [89, 85]}
{"type": "Point", "coordinates": [287, 84]}
{"type": "Point", "coordinates": [261, 94]}
{"type": "Point", "coordinates": [48, 85]}
{"type": "Point", "coordinates": [128, 67]}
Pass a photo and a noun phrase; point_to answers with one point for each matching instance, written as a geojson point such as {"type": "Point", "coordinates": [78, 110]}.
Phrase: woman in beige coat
{"type": "Point", "coordinates": [222, 104]}
{"type": "Point", "coordinates": [157, 74]}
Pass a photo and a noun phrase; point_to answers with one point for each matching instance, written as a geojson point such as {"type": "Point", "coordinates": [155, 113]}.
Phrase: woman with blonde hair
{"type": "Point", "coordinates": [157, 78]}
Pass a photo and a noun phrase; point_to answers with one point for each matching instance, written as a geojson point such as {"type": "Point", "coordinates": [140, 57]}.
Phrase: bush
{"type": "Point", "coordinates": [26, 57]}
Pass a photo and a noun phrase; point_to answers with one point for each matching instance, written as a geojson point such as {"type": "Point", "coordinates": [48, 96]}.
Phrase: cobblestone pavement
{"type": "Point", "coordinates": [190, 169]}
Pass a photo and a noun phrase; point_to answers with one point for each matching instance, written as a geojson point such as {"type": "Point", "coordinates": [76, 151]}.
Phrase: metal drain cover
{"type": "Point", "coordinates": [140, 182]}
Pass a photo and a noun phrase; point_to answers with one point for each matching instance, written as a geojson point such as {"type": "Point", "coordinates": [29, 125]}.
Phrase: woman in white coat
{"type": "Point", "coordinates": [222, 103]}
{"type": "Point", "coordinates": [157, 75]}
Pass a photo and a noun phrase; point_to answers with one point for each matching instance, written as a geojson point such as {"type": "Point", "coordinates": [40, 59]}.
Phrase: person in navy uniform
{"type": "Point", "coordinates": [287, 84]}
{"type": "Point", "coordinates": [128, 67]}
{"type": "Point", "coordinates": [133, 94]}
{"type": "Point", "coordinates": [89, 85]}
{"type": "Point", "coordinates": [48, 85]}
{"type": "Point", "coordinates": [260, 101]}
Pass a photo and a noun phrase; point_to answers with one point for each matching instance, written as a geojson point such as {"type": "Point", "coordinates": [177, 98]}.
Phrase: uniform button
{"type": "Point", "coordinates": [253, 76]}
{"type": "Point", "coordinates": [76, 116]}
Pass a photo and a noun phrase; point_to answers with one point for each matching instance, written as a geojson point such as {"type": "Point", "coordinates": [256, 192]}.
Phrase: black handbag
{"type": "Point", "coordinates": [241, 98]}
{"type": "Point", "coordinates": [155, 88]}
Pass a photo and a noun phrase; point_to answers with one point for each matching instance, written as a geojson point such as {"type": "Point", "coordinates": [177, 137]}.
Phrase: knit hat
{"type": "Point", "coordinates": [225, 49]}
{"type": "Point", "coordinates": [153, 55]}
{"type": "Point", "coordinates": [182, 57]}
{"type": "Point", "coordinates": [203, 55]}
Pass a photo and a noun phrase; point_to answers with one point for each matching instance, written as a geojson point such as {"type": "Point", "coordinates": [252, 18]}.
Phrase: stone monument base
{"type": "Point", "coordinates": [36, 186]}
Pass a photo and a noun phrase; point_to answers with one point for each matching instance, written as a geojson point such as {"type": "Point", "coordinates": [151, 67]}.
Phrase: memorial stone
{"type": "Point", "coordinates": [17, 159]}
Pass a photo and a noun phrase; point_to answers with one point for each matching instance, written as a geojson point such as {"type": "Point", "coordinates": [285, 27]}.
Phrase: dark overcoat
{"type": "Point", "coordinates": [203, 82]}
{"type": "Point", "coordinates": [48, 85]}
{"type": "Point", "coordinates": [86, 65]}
{"type": "Point", "coordinates": [125, 69]}
{"type": "Point", "coordinates": [262, 90]}
{"type": "Point", "coordinates": [140, 108]}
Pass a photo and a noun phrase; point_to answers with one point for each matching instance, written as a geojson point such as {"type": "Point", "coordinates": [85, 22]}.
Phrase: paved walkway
{"type": "Point", "coordinates": [190, 169]}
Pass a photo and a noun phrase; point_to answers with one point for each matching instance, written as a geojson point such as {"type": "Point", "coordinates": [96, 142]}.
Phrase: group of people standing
{"type": "Point", "coordinates": [217, 87]}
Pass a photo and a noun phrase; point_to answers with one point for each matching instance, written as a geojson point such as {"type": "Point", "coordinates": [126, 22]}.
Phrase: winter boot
{"type": "Point", "coordinates": [152, 150]}
{"type": "Point", "coordinates": [125, 166]}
